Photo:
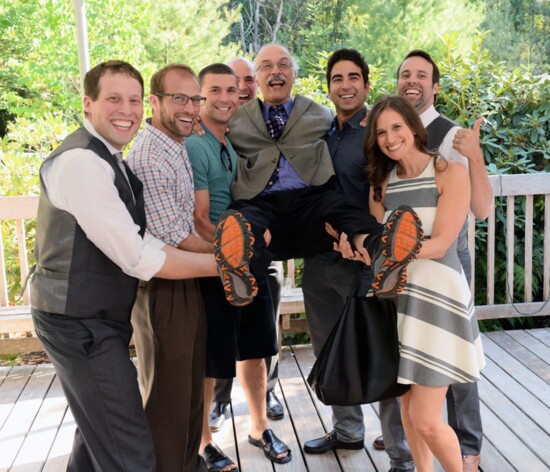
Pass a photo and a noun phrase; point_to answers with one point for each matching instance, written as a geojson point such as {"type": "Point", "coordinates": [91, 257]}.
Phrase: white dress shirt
{"type": "Point", "coordinates": [82, 183]}
{"type": "Point", "coordinates": [446, 148]}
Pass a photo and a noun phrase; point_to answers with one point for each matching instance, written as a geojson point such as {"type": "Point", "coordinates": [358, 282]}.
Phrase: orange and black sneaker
{"type": "Point", "coordinates": [398, 246]}
{"type": "Point", "coordinates": [233, 240]}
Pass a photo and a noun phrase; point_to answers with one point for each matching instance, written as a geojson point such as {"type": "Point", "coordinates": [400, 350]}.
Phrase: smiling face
{"type": "Point", "coordinates": [394, 137]}
{"type": "Point", "coordinates": [347, 89]}
{"type": "Point", "coordinates": [275, 74]}
{"type": "Point", "coordinates": [222, 97]}
{"type": "Point", "coordinates": [117, 113]}
{"type": "Point", "coordinates": [415, 83]}
{"type": "Point", "coordinates": [244, 70]}
{"type": "Point", "coordinates": [175, 120]}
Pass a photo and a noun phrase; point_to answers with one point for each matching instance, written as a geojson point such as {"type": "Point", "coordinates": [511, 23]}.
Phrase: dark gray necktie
{"type": "Point", "coordinates": [122, 165]}
{"type": "Point", "coordinates": [120, 162]}
{"type": "Point", "coordinates": [276, 121]}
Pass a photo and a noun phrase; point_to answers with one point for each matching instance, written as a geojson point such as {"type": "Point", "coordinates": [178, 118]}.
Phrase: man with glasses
{"type": "Point", "coordinates": [244, 334]}
{"type": "Point", "coordinates": [168, 318]}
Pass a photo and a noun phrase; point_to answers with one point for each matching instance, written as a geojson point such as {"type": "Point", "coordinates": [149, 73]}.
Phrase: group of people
{"type": "Point", "coordinates": [148, 246]}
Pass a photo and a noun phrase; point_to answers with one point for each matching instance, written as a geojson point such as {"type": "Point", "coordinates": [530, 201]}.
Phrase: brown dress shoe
{"type": "Point", "coordinates": [378, 443]}
{"type": "Point", "coordinates": [470, 463]}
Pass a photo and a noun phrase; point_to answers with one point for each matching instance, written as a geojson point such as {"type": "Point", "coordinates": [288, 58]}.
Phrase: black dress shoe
{"type": "Point", "coordinates": [329, 442]}
{"type": "Point", "coordinates": [273, 407]}
{"type": "Point", "coordinates": [217, 416]}
{"type": "Point", "coordinates": [378, 443]}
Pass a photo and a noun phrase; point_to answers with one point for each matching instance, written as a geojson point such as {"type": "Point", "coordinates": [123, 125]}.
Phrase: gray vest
{"type": "Point", "coordinates": [437, 130]}
{"type": "Point", "coordinates": [72, 276]}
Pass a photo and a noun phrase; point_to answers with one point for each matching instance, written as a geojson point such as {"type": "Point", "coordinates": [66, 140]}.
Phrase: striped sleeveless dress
{"type": "Point", "coordinates": [438, 334]}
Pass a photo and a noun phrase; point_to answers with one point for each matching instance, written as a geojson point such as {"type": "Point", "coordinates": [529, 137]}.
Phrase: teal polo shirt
{"type": "Point", "coordinates": [212, 171]}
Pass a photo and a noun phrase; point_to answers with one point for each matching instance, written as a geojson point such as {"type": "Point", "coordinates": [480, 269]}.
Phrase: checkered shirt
{"type": "Point", "coordinates": [164, 168]}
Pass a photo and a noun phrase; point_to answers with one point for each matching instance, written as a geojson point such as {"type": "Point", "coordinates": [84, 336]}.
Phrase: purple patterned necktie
{"type": "Point", "coordinates": [276, 120]}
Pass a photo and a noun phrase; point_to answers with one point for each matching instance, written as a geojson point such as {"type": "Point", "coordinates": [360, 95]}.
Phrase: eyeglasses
{"type": "Point", "coordinates": [226, 159]}
{"type": "Point", "coordinates": [182, 99]}
{"type": "Point", "coordinates": [268, 66]}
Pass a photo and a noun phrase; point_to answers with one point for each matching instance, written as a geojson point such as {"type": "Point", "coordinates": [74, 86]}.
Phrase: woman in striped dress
{"type": "Point", "coordinates": [439, 338]}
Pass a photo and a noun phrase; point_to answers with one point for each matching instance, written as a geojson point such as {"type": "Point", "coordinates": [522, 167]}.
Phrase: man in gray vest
{"type": "Point", "coordinates": [91, 249]}
{"type": "Point", "coordinates": [418, 82]}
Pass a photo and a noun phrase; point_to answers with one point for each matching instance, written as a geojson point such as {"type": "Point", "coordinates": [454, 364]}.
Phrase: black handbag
{"type": "Point", "coordinates": [358, 363]}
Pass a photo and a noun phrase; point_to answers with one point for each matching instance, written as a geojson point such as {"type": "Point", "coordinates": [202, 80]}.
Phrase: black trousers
{"type": "Point", "coordinates": [296, 219]}
{"type": "Point", "coordinates": [93, 364]}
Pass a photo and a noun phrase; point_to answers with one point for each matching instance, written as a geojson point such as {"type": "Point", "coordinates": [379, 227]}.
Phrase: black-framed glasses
{"type": "Point", "coordinates": [226, 159]}
{"type": "Point", "coordinates": [182, 99]}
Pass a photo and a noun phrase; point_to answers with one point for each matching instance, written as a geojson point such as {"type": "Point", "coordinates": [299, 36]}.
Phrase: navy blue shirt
{"type": "Point", "coordinates": [346, 149]}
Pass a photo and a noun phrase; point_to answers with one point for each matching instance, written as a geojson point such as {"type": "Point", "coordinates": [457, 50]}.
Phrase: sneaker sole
{"type": "Point", "coordinates": [233, 240]}
{"type": "Point", "coordinates": [402, 235]}
{"type": "Point", "coordinates": [402, 240]}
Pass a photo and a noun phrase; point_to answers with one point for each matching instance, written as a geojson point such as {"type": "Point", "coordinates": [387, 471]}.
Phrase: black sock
{"type": "Point", "coordinates": [371, 242]}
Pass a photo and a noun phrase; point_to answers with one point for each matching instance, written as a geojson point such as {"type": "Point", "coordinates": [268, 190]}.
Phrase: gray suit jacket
{"type": "Point", "coordinates": [301, 143]}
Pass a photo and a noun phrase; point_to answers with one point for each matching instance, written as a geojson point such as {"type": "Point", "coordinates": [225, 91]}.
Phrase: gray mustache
{"type": "Point", "coordinates": [277, 78]}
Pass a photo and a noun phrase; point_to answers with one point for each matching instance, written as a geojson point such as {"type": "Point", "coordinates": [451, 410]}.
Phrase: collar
{"type": "Point", "coordinates": [162, 137]}
{"type": "Point", "coordinates": [90, 128]}
{"type": "Point", "coordinates": [428, 116]}
{"type": "Point", "coordinates": [354, 121]}
{"type": "Point", "coordinates": [289, 104]}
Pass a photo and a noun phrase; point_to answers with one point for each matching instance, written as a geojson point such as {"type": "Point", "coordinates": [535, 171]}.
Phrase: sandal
{"type": "Point", "coordinates": [215, 458]}
{"type": "Point", "coordinates": [272, 447]}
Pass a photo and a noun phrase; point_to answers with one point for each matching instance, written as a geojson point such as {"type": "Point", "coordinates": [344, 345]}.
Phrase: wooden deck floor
{"type": "Point", "coordinates": [36, 428]}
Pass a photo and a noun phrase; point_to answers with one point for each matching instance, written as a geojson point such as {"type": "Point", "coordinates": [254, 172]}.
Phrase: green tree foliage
{"type": "Point", "coordinates": [39, 63]}
{"type": "Point", "coordinates": [519, 32]}
{"type": "Point", "coordinates": [385, 31]}
{"type": "Point", "coordinates": [188, 31]}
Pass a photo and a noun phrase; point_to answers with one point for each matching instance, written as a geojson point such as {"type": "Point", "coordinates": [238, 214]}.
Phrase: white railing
{"type": "Point", "coordinates": [507, 188]}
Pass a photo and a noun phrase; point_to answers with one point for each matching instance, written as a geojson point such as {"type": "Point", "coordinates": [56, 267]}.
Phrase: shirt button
{"type": "Point", "coordinates": [270, 183]}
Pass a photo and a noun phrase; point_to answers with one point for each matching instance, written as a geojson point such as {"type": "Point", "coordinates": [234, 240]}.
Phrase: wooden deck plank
{"type": "Point", "coordinates": [532, 382]}
{"type": "Point", "coordinates": [530, 406]}
{"type": "Point", "coordinates": [305, 418]}
{"type": "Point", "coordinates": [542, 334]}
{"type": "Point", "coordinates": [514, 417]}
{"type": "Point", "coordinates": [11, 388]}
{"type": "Point", "coordinates": [529, 341]}
{"type": "Point", "coordinates": [491, 458]}
{"type": "Point", "coordinates": [285, 429]}
{"type": "Point", "coordinates": [514, 406]}
{"type": "Point", "coordinates": [61, 449]}
{"type": "Point", "coordinates": [36, 447]}
{"type": "Point", "coordinates": [526, 349]}
{"type": "Point", "coordinates": [519, 456]}
{"type": "Point", "coordinates": [359, 460]}
{"type": "Point", "coordinates": [4, 371]}
{"type": "Point", "coordinates": [21, 417]}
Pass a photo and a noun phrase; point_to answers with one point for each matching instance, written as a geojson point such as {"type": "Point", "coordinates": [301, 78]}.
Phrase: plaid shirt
{"type": "Point", "coordinates": [164, 168]}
